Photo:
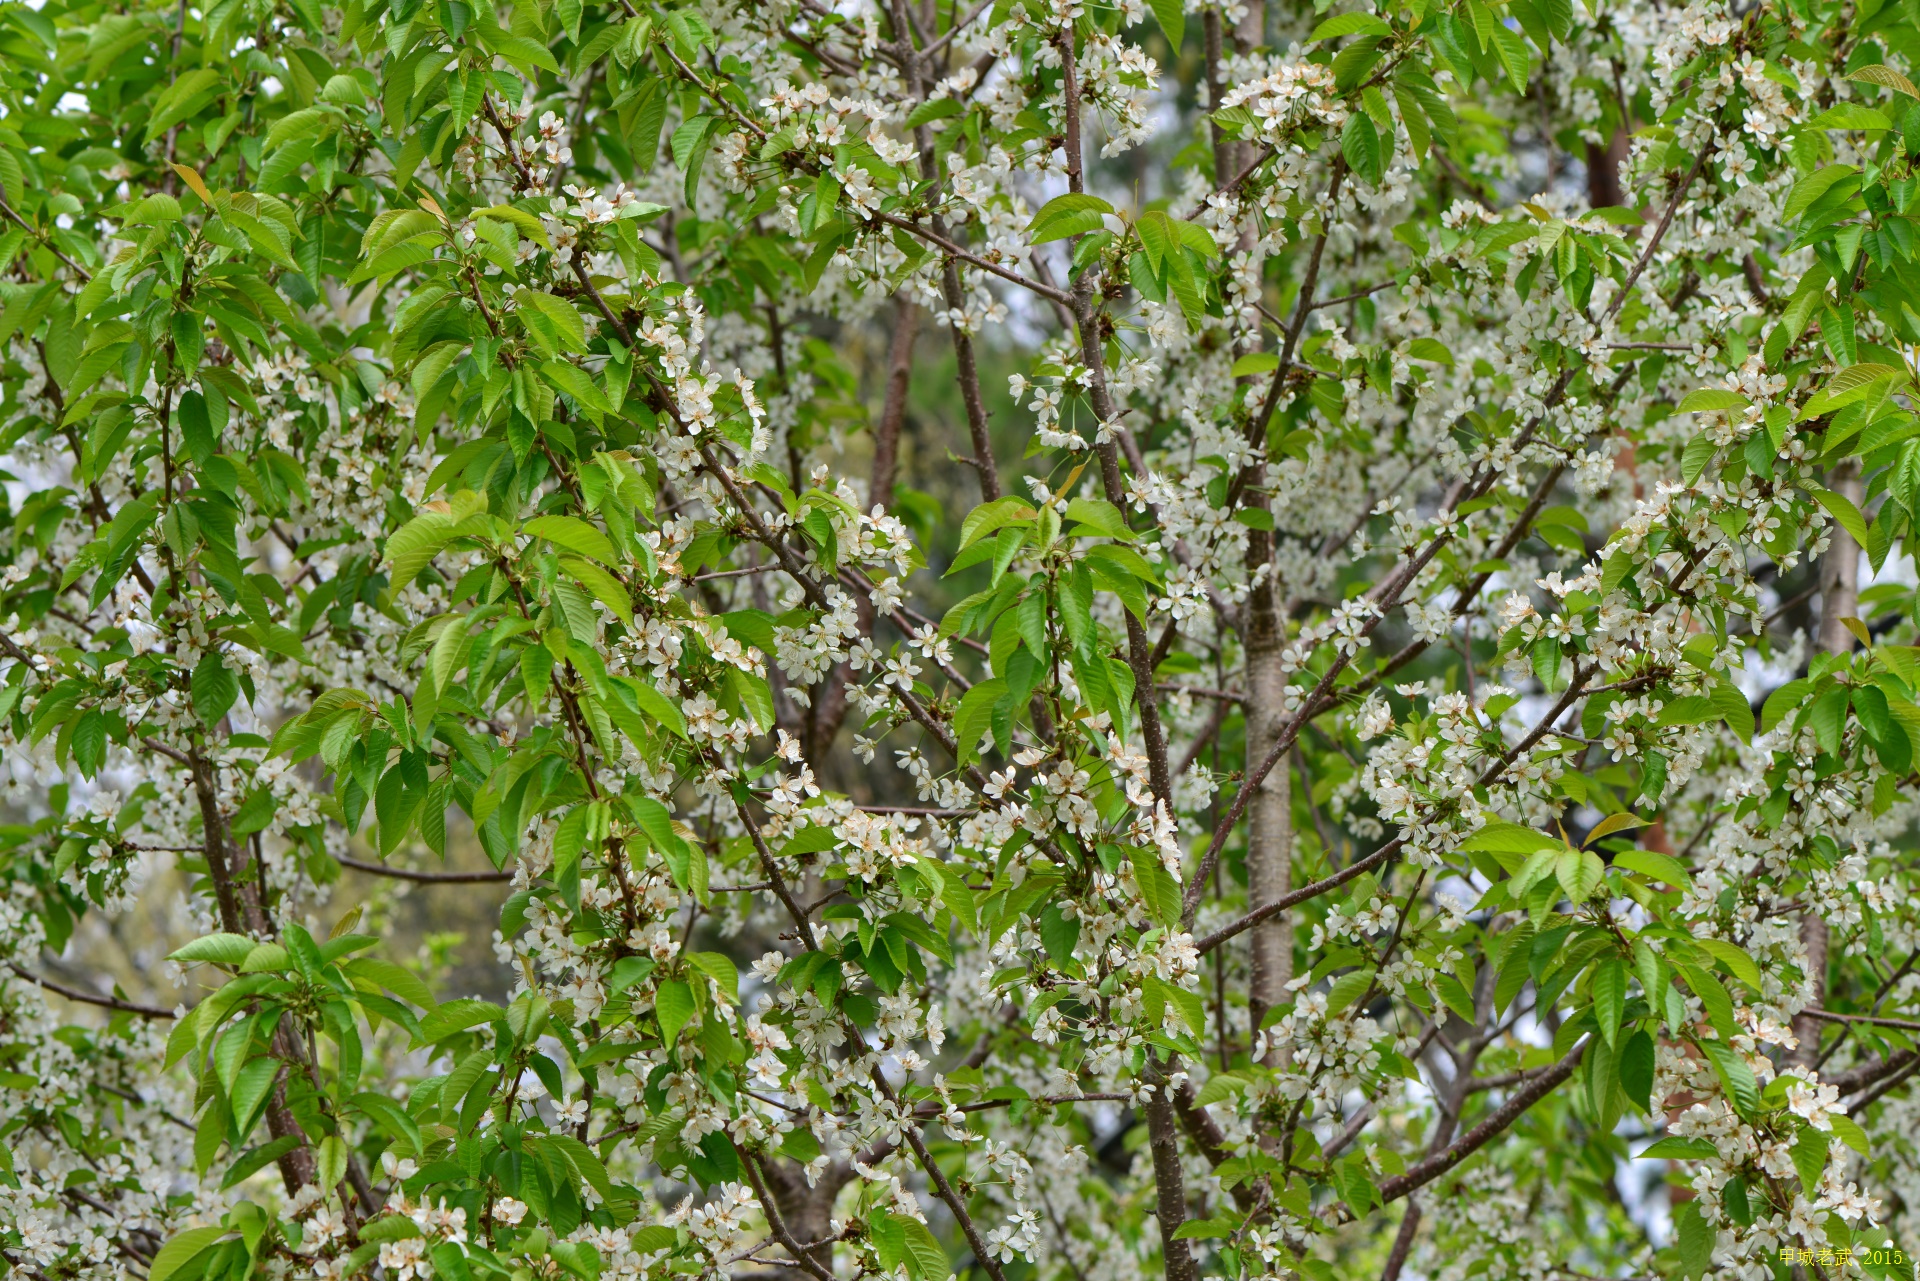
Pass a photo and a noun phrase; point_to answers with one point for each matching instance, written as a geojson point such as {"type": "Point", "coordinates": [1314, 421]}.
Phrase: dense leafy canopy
{"type": "Point", "coordinates": [1390, 748]}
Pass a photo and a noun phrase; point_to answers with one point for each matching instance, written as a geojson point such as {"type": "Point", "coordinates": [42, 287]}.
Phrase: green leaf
{"type": "Point", "coordinates": [1454, 994]}
{"type": "Point", "coordinates": [1841, 508]}
{"type": "Point", "coordinates": [177, 1252]}
{"type": "Point", "coordinates": [627, 971]}
{"type": "Point", "coordinates": [308, 122]}
{"type": "Point", "coordinates": [574, 535]}
{"type": "Point", "coordinates": [1735, 1076]}
{"type": "Point", "coordinates": [1811, 188]}
{"type": "Point", "coordinates": [1660, 867]}
{"type": "Point", "coordinates": [1858, 377]}
{"type": "Point", "coordinates": [1699, 451]}
{"type": "Point", "coordinates": [925, 1259]}
{"type": "Point", "coordinates": [718, 968]}
{"type": "Point", "coordinates": [1157, 886]}
{"type": "Point", "coordinates": [521, 50]}
{"type": "Point", "coordinates": [250, 1089]}
{"type": "Point", "coordinates": [225, 949]}
{"type": "Point", "coordinates": [1347, 989]}
{"type": "Point", "coordinates": [526, 223]}
{"type": "Point", "coordinates": [566, 320]}
{"type": "Point", "coordinates": [1355, 1183]}
{"type": "Point", "coordinates": [934, 109]}
{"type": "Point", "coordinates": [1636, 1070]}
{"type": "Point", "coordinates": [1610, 824]}
{"type": "Point", "coordinates": [123, 538]}
{"type": "Point", "coordinates": [1708, 399]}
{"type": "Point", "coordinates": [258, 1158]}
{"type": "Point", "coordinates": [391, 1227]}
{"type": "Point", "coordinates": [1512, 50]}
{"type": "Point", "coordinates": [577, 383]}
{"type": "Point", "coordinates": [673, 1006]}
{"type": "Point", "coordinates": [659, 707]}
{"type": "Point", "coordinates": [414, 545]}
{"type": "Point", "coordinates": [404, 984]}
{"type": "Point", "coordinates": [974, 717]}
{"type": "Point", "coordinates": [1810, 1152]}
{"type": "Point", "coordinates": [1782, 701]}
{"type": "Point", "coordinates": [1360, 144]}
{"type": "Point", "coordinates": [1100, 516]}
{"type": "Point", "coordinates": [1579, 872]}
{"type": "Point", "coordinates": [755, 696]}
{"type": "Point", "coordinates": [1502, 837]}
{"type": "Point", "coordinates": [1827, 718]}
{"type": "Point", "coordinates": [1848, 1131]}
{"type": "Point", "coordinates": [457, 1016]}
{"type": "Point", "coordinates": [445, 656]}
{"type": "Point", "coordinates": [1734, 707]}
{"type": "Point", "coordinates": [1172, 17]}
{"type": "Point", "coordinates": [395, 227]}
{"type": "Point", "coordinates": [1349, 24]}
{"type": "Point", "coordinates": [988, 517]}
{"type": "Point", "coordinates": [686, 138]}
{"type": "Point", "coordinates": [255, 813]}
{"type": "Point", "coordinates": [582, 1158]}
{"type": "Point", "coordinates": [1695, 1238]}
{"type": "Point", "coordinates": [657, 823]}
{"type": "Point", "coordinates": [387, 263]}
{"type": "Point", "coordinates": [1885, 76]}
{"type": "Point", "coordinates": [607, 589]}
{"type": "Point", "coordinates": [889, 1241]}
{"type": "Point", "coordinates": [1675, 1148]}
{"type": "Point", "coordinates": [330, 1161]}
{"type": "Point", "coordinates": [1713, 997]}
{"type": "Point", "coordinates": [215, 688]}
{"type": "Point", "coordinates": [432, 366]}
{"type": "Point", "coordinates": [1738, 963]}
{"type": "Point", "coordinates": [1124, 559]}
{"type": "Point", "coordinates": [1849, 115]}
{"type": "Point", "coordinates": [1068, 215]}
{"type": "Point", "coordinates": [1609, 996]}
{"type": "Point", "coordinates": [1059, 934]}
{"type": "Point", "coordinates": [185, 97]}
{"type": "Point", "coordinates": [154, 209]}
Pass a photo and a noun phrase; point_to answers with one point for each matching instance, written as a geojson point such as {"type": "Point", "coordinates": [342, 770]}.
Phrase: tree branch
{"type": "Point", "coordinates": [90, 998]}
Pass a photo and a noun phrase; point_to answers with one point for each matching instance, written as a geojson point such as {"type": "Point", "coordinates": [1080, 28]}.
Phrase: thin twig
{"type": "Point", "coordinates": [1828, 1016]}
{"type": "Point", "coordinates": [90, 998]}
{"type": "Point", "coordinates": [425, 878]}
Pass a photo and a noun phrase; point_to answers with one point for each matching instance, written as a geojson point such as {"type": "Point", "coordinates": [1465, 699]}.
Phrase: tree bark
{"type": "Point", "coordinates": [1270, 812]}
{"type": "Point", "coordinates": [1603, 171]}
{"type": "Point", "coordinates": [1170, 1189]}
{"type": "Point", "coordinates": [893, 412]}
{"type": "Point", "coordinates": [1251, 30]}
{"type": "Point", "coordinates": [1840, 571]}
{"type": "Point", "coordinates": [1839, 604]}
{"type": "Point", "coordinates": [808, 1211]}
{"type": "Point", "coordinates": [1213, 48]}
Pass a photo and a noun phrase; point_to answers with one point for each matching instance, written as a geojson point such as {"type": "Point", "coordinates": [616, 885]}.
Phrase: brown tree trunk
{"type": "Point", "coordinates": [893, 412]}
{"type": "Point", "coordinates": [807, 1211]}
{"type": "Point", "coordinates": [1603, 171]}
{"type": "Point", "coordinates": [1270, 812]}
{"type": "Point", "coordinates": [1251, 30]}
{"type": "Point", "coordinates": [1839, 604]}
